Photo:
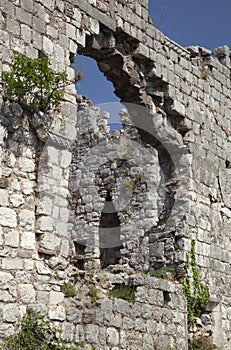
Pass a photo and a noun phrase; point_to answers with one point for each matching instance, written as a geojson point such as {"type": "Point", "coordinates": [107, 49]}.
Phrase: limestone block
{"type": "Point", "coordinates": [71, 31]}
{"type": "Point", "coordinates": [66, 158]}
{"type": "Point", "coordinates": [121, 306]}
{"type": "Point", "coordinates": [177, 108]}
{"type": "Point", "coordinates": [27, 187]}
{"type": "Point", "coordinates": [227, 212]}
{"type": "Point", "coordinates": [26, 165]}
{"type": "Point", "coordinates": [92, 333]}
{"type": "Point", "coordinates": [128, 323]}
{"type": "Point", "coordinates": [8, 217]}
{"type": "Point", "coordinates": [45, 223]}
{"type": "Point", "coordinates": [26, 219]}
{"type": "Point", "coordinates": [28, 240]}
{"type": "Point", "coordinates": [74, 315]}
{"type": "Point", "coordinates": [148, 342]}
{"type": "Point", "coordinates": [79, 334]}
{"type": "Point", "coordinates": [6, 330]}
{"type": "Point", "coordinates": [42, 269]}
{"type": "Point", "coordinates": [4, 197]}
{"type": "Point", "coordinates": [23, 16]}
{"type": "Point", "coordinates": [5, 297]}
{"type": "Point", "coordinates": [45, 206]}
{"type": "Point", "coordinates": [48, 46]}
{"type": "Point", "coordinates": [12, 238]}
{"type": "Point", "coordinates": [57, 313]}
{"type": "Point", "coordinates": [26, 293]}
{"type": "Point", "coordinates": [50, 4]}
{"type": "Point", "coordinates": [50, 242]}
{"type": "Point", "coordinates": [81, 37]}
{"type": "Point", "coordinates": [27, 5]}
{"type": "Point", "coordinates": [11, 313]}
{"type": "Point", "coordinates": [12, 264]}
{"type": "Point", "coordinates": [65, 247]}
{"type": "Point", "coordinates": [16, 200]}
{"type": "Point", "coordinates": [56, 298]}
{"type": "Point", "coordinates": [156, 297]}
{"type": "Point", "coordinates": [5, 277]}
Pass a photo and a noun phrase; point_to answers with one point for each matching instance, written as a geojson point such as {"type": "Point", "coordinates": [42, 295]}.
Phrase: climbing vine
{"type": "Point", "coordinates": [196, 292]}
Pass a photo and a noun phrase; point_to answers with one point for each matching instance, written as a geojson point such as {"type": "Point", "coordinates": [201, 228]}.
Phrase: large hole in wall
{"type": "Point", "coordinates": [116, 58]}
{"type": "Point", "coordinates": [97, 89]}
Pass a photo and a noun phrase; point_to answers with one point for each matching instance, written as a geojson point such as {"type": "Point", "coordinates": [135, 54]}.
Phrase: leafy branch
{"type": "Point", "coordinates": [34, 84]}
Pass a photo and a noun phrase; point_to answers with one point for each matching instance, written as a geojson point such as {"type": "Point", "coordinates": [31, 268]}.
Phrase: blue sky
{"type": "Point", "coordinates": [205, 23]}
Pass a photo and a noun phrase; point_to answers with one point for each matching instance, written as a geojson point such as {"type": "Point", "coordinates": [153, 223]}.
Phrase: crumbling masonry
{"type": "Point", "coordinates": [163, 181]}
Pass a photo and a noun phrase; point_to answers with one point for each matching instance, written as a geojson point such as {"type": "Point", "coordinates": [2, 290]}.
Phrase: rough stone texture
{"type": "Point", "coordinates": [187, 93]}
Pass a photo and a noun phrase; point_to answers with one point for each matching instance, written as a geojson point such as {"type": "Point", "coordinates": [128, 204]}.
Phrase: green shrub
{"type": "Point", "coordinates": [35, 334]}
{"type": "Point", "coordinates": [93, 293]}
{"type": "Point", "coordinates": [126, 292]}
{"type": "Point", "coordinates": [69, 290]}
{"type": "Point", "coordinates": [166, 273]}
{"type": "Point", "coordinates": [201, 342]}
{"type": "Point", "coordinates": [34, 84]}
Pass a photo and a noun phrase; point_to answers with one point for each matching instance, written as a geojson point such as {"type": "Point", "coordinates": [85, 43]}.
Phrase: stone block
{"type": "Point", "coordinates": [48, 46]}
{"type": "Point", "coordinates": [5, 277]}
{"type": "Point", "coordinates": [12, 238]}
{"type": "Point", "coordinates": [26, 219]}
{"type": "Point", "coordinates": [57, 313]}
{"type": "Point", "coordinates": [45, 206]}
{"type": "Point", "coordinates": [74, 315]}
{"type": "Point", "coordinates": [12, 264]}
{"type": "Point", "coordinates": [13, 26]}
{"type": "Point", "coordinates": [28, 240]}
{"type": "Point", "coordinates": [66, 158]}
{"type": "Point", "coordinates": [50, 242]}
{"type": "Point", "coordinates": [11, 313]}
{"type": "Point", "coordinates": [8, 217]}
{"type": "Point", "coordinates": [16, 200]}
{"type": "Point", "coordinates": [28, 5]}
{"type": "Point", "coordinates": [92, 333]}
{"type": "Point", "coordinates": [6, 330]}
{"type": "Point", "coordinates": [45, 223]}
{"type": "Point", "coordinates": [49, 4]}
{"type": "Point", "coordinates": [4, 197]}
{"type": "Point", "coordinates": [26, 293]}
{"type": "Point", "coordinates": [42, 269]}
{"type": "Point", "coordinates": [121, 306]}
{"type": "Point", "coordinates": [23, 16]}
{"type": "Point", "coordinates": [6, 297]}
{"type": "Point", "coordinates": [56, 298]}
{"type": "Point", "coordinates": [112, 336]}
{"type": "Point", "coordinates": [26, 165]}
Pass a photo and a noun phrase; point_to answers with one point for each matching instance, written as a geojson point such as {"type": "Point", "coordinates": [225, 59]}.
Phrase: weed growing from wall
{"type": "Point", "coordinates": [33, 84]}
{"type": "Point", "coordinates": [123, 291]}
{"type": "Point", "coordinates": [69, 290]}
{"type": "Point", "coordinates": [93, 293]}
{"type": "Point", "coordinates": [196, 293]}
{"type": "Point", "coordinates": [166, 273]}
{"type": "Point", "coordinates": [35, 333]}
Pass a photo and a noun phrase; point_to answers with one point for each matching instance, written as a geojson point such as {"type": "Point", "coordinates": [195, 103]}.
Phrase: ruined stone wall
{"type": "Point", "coordinates": [186, 96]}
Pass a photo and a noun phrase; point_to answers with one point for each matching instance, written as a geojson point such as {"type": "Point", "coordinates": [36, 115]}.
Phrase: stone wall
{"type": "Point", "coordinates": [186, 96]}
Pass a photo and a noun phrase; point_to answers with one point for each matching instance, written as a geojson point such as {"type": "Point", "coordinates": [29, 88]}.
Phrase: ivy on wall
{"type": "Point", "coordinates": [196, 293]}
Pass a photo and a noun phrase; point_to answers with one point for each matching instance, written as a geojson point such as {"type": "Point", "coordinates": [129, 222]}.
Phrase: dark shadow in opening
{"type": "Point", "coordinates": [79, 252]}
{"type": "Point", "coordinates": [109, 234]}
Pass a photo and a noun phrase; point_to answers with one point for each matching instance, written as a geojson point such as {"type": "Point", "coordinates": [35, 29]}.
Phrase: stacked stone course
{"type": "Point", "coordinates": [187, 92]}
